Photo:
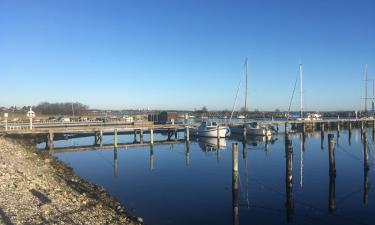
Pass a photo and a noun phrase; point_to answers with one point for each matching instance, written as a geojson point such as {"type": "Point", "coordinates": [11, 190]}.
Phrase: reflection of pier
{"type": "Point", "coordinates": [111, 146]}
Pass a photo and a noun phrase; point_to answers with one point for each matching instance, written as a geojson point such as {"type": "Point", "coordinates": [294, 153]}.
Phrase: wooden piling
{"type": "Point", "coordinates": [332, 174]}
{"type": "Point", "coordinates": [115, 161]}
{"type": "Point", "coordinates": [115, 136]}
{"type": "Point", "coordinates": [187, 152]}
{"type": "Point", "coordinates": [289, 180]}
{"type": "Point", "coordinates": [151, 157]}
{"type": "Point", "coordinates": [365, 151]}
{"type": "Point", "coordinates": [244, 133]}
{"type": "Point", "coordinates": [175, 134]}
{"type": "Point", "coordinates": [101, 137]}
{"type": "Point", "coordinates": [331, 147]}
{"type": "Point", "coordinates": [235, 182]}
{"type": "Point", "coordinates": [187, 135]}
{"type": "Point", "coordinates": [152, 136]}
{"type": "Point", "coordinates": [50, 138]}
{"type": "Point", "coordinates": [286, 128]}
{"type": "Point", "coordinates": [141, 136]}
{"type": "Point", "coordinates": [366, 169]}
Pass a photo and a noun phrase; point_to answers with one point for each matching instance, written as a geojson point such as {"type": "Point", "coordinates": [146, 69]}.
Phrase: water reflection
{"type": "Point", "coordinates": [205, 186]}
{"type": "Point", "coordinates": [211, 144]}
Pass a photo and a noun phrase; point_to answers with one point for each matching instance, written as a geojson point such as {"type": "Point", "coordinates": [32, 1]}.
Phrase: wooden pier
{"type": "Point", "coordinates": [48, 132]}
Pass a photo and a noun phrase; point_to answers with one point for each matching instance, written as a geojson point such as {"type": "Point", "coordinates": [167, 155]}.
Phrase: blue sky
{"type": "Point", "coordinates": [185, 54]}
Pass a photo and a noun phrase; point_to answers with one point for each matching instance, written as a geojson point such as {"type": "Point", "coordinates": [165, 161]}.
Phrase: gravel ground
{"type": "Point", "coordinates": [36, 188]}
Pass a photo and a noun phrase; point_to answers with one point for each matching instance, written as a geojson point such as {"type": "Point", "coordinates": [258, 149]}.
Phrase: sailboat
{"type": "Point", "coordinates": [253, 128]}
{"type": "Point", "coordinates": [310, 116]}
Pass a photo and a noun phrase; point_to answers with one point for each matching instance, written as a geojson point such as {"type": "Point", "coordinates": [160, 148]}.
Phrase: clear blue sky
{"type": "Point", "coordinates": [185, 54]}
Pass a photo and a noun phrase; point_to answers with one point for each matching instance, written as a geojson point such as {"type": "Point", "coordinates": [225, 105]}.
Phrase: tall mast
{"type": "Point", "coordinates": [373, 96]}
{"type": "Point", "coordinates": [246, 84]}
{"type": "Point", "coordinates": [301, 85]}
{"type": "Point", "coordinates": [366, 80]}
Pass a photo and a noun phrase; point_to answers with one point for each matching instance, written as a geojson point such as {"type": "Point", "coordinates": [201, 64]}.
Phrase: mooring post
{"type": "Point", "coordinates": [152, 136]}
{"type": "Point", "coordinates": [101, 137]}
{"type": "Point", "coordinates": [218, 136]}
{"type": "Point", "coordinates": [50, 140]}
{"type": "Point", "coordinates": [244, 133]}
{"type": "Point", "coordinates": [365, 151]}
{"type": "Point", "coordinates": [115, 161]}
{"type": "Point", "coordinates": [151, 157]}
{"type": "Point", "coordinates": [187, 152]}
{"type": "Point", "coordinates": [331, 147]}
{"type": "Point", "coordinates": [286, 128]}
{"type": "Point", "coordinates": [332, 174]}
{"type": "Point", "coordinates": [289, 180]}
{"type": "Point", "coordinates": [303, 128]}
{"type": "Point", "coordinates": [141, 136]}
{"type": "Point", "coordinates": [187, 133]}
{"type": "Point", "coordinates": [115, 134]}
{"type": "Point", "coordinates": [322, 136]}
{"type": "Point", "coordinates": [218, 132]}
{"type": "Point", "coordinates": [366, 169]}
{"type": "Point", "coordinates": [6, 121]}
{"type": "Point", "coordinates": [135, 135]}
{"type": "Point", "coordinates": [95, 138]}
{"type": "Point", "coordinates": [338, 129]}
{"type": "Point", "coordinates": [235, 182]}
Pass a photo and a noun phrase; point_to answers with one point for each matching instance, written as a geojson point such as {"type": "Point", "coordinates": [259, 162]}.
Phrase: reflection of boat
{"type": "Point", "coordinates": [211, 130]}
{"type": "Point", "coordinates": [210, 144]}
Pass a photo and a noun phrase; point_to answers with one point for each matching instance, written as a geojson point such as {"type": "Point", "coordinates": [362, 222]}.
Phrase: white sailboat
{"type": "Point", "coordinates": [251, 129]}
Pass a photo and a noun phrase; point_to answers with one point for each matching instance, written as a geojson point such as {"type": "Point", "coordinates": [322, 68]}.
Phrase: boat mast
{"type": "Point", "coordinates": [373, 96]}
{"type": "Point", "coordinates": [301, 86]}
{"type": "Point", "coordinates": [366, 80]}
{"type": "Point", "coordinates": [246, 84]}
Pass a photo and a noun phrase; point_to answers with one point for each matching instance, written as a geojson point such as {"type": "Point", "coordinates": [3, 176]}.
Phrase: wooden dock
{"type": "Point", "coordinates": [48, 132]}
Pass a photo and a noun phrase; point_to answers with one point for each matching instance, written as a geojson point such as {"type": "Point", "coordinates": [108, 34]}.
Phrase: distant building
{"type": "Point", "coordinates": [163, 117]}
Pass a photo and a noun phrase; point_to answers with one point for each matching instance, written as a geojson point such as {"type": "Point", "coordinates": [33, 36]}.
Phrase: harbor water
{"type": "Point", "coordinates": [191, 183]}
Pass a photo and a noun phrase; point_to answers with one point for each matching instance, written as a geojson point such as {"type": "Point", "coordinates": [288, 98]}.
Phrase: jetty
{"type": "Point", "coordinates": [50, 131]}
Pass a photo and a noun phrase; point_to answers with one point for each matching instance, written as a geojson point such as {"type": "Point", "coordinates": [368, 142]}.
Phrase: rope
{"type": "Point", "coordinates": [349, 153]}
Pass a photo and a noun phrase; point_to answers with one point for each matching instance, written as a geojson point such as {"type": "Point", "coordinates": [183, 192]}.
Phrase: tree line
{"type": "Point", "coordinates": [61, 108]}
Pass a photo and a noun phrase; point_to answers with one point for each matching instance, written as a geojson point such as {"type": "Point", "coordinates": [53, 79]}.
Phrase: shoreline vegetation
{"type": "Point", "coordinates": [37, 188]}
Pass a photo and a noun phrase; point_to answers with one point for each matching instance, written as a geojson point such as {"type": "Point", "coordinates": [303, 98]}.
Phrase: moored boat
{"type": "Point", "coordinates": [211, 129]}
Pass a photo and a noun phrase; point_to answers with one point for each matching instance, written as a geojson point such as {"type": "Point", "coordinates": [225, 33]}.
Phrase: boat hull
{"type": "Point", "coordinates": [212, 132]}
{"type": "Point", "coordinates": [258, 131]}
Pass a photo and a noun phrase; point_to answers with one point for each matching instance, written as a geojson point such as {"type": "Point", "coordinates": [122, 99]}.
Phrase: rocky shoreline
{"type": "Point", "coordinates": [37, 188]}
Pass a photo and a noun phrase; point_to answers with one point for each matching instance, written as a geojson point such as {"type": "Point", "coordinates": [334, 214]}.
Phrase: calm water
{"type": "Point", "coordinates": [170, 185]}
